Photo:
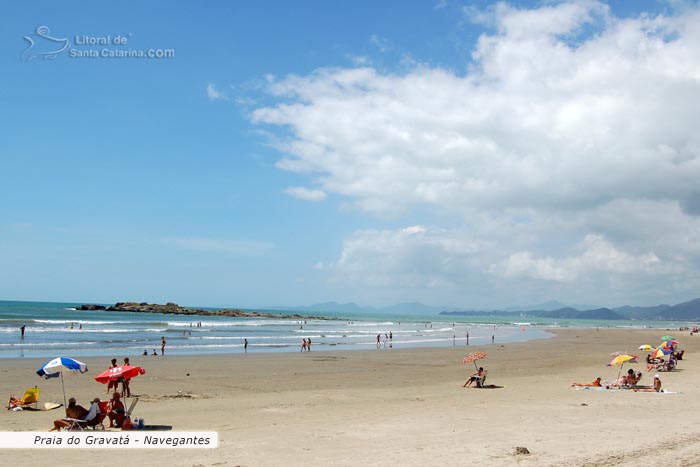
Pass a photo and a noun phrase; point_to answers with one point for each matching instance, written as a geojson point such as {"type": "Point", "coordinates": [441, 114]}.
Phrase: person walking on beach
{"type": "Point", "coordinates": [303, 344]}
{"type": "Point", "coordinates": [21, 331]}
{"type": "Point", "coordinates": [162, 346]}
{"type": "Point", "coordinates": [308, 344]}
{"type": "Point", "coordinates": [245, 345]}
{"type": "Point", "coordinates": [379, 336]}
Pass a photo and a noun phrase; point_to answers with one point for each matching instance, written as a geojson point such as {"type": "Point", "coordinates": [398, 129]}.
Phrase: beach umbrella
{"type": "Point", "coordinates": [667, 338]}
{"type": "Point", "coordinates": [668, 343]}
{"type": "Point", "coordinates": [660, 352]}
{"type": "Point", "coordinates": [621, 360]}
{"type": "Point", "coordinates": [645, 347]}
{"type": "Point", "coordinates": [123, 371]}
{"type": "Point", "coordinates": [473, 357]}
{"type": "Point", "coordinates": [55, 368]}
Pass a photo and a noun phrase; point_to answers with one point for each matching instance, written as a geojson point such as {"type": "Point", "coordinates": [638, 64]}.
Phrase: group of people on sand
{"type": "Point", "coordinates": [628, 381]}
{"type": "Point", "coordinates": [306, 344]}
{"type": "Point", "coordinates": [659, 364]}
{"type": "Point", "coordinates": [126, 382]}
{"type": "Point", "coordinates": [76, 413]}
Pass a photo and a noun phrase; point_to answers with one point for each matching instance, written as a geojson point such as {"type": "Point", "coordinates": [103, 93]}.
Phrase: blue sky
{"type": "Point", "coordinates": [455, 153]}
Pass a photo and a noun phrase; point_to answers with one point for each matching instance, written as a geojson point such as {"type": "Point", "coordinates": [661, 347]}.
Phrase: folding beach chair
{"type": "Point", "coordinates": [134, 401]}
{"type": "Point", "coordinates": [91, 419]}
{"type": "Point", "coordinates": [127, 424]}
{"type": "Point", "coordinates": [480, 381]}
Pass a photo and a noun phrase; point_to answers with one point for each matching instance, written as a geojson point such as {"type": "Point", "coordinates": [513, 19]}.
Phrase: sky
{"type": "Point", "coordinates": [470, 154]}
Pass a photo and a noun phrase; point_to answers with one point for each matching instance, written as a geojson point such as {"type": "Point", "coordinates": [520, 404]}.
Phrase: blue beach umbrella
{"type": "Point", "coordinates": [55, 368]}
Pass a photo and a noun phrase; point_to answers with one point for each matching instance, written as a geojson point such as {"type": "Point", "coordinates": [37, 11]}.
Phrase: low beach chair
{"type": "Point", "coordinates": [134, 401]}
{"type": "Point", "coordinates": [480, 381]}
{"type": "Point", "coordinates": [91, 419]}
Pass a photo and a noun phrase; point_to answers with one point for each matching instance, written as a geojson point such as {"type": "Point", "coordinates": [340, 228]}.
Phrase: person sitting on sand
{"type": "Point", "coordinates": [656, 364]}
{"type": "Point", "coordinates": [595, 384]}
{"type": "Point", "coordinates": [475, 377]}
{"type": "Point", "coordinates": [72, 411]}
{"type": "Point", "coordinates": [116, 411]}
{"type": "Point", "coordinates": [656, 388]}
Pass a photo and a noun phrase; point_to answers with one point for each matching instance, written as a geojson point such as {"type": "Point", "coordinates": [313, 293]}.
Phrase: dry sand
{"type": "Point", "coordinates": [394, 407]}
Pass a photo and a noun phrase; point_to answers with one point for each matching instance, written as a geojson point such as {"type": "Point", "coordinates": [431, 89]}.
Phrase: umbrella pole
{"type": "Point", "coordinates": [64, 392]}
{"type": "Point", "coordinates": [619, 372]}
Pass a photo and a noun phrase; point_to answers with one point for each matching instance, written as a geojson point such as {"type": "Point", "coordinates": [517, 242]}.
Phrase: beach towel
{"type": "Point", "coordinates": [47, 406]}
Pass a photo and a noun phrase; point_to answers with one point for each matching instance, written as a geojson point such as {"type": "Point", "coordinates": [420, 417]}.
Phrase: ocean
{"type": "Point", "coordinates": [58, 329]}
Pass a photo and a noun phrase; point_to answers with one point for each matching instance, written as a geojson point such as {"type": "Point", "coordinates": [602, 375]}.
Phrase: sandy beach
{"type": "Point", "coordinates": [395, 407]}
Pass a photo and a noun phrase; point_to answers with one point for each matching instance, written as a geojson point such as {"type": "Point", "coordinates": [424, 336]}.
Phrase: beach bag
{"type": "Point", "coordinates": [127, 425]}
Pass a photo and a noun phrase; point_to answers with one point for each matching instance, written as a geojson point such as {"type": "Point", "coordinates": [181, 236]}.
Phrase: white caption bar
{"type": "Point", "coordinates": [109, 440]}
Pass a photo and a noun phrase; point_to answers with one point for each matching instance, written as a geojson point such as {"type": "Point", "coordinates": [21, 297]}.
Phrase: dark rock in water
{"type": "Point", "coordinates": [175, 309]}
{"type": "Point", "coordinates": [91, 307]}
{"type": "Point", "coordinates": [519, 451]}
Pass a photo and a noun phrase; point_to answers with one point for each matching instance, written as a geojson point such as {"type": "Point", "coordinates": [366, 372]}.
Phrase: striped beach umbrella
{"type": "Point", "coordinates": [55, 368]}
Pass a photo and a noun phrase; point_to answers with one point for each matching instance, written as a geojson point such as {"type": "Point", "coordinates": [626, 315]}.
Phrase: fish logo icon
{"type": "Point", "coordinates": [43, 46]}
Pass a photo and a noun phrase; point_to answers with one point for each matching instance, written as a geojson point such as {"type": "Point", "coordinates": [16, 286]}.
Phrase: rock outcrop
{"type": "Point", "coordinates": [175, 309]}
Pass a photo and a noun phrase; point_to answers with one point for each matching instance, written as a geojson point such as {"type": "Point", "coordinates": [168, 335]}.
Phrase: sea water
{"type": "Point", "coordinates": [58, 329]}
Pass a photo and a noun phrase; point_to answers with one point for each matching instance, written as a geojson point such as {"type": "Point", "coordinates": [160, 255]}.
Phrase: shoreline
{"type": "Point", "coordinates": [403, 406]}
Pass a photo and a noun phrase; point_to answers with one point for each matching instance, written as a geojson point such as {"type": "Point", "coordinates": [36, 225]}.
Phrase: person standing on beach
{"type": "Point", "coordinates": [126, 390]}
{"type": "Point", "coordinates": [379, 336]}
{"type": "Point", "coordinates": [308, 344]}
{"type": "Point", "coordinates": [162, 346]}
{"type": "Point", "coordinates": [467, 337]}
{"type": "Point", "coordinates": [245, 345]}
{"type": "Point", "coordinates": [303, 344]}
{"type": "Point", "coordinates": [113, 383]}
{"type": "Point", "coordinates": [21, 331]}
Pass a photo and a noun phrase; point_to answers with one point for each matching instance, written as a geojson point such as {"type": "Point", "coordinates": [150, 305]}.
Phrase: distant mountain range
{"type": "Point", "coordinates": [686, 311]}
{"type": "Point", "coordinates": [335, 307]}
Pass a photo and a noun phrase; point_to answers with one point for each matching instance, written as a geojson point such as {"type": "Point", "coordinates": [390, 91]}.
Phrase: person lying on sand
{"type": "Point", "coordinates": [596, 384]}
{"type": "Point", "coordinates": [656, 388]}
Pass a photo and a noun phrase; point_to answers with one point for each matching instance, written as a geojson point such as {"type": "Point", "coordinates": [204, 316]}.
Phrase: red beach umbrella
{"type": "Point", "coordinates": [123, 371]}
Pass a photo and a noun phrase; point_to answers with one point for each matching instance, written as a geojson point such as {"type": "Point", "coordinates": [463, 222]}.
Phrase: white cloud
{"type": "Point", "coordinates": [214, 245]}
{"type": "Point", "coordinates": [598, 256]}
{"type": "Point", "coordinates": [552, 137]}
{"type": "Point", "coordinates": [305, 193]}
{"type": "Point", "coordinates": [214, 94]}
{"type": "Point", "coordinates": [415, 256]}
